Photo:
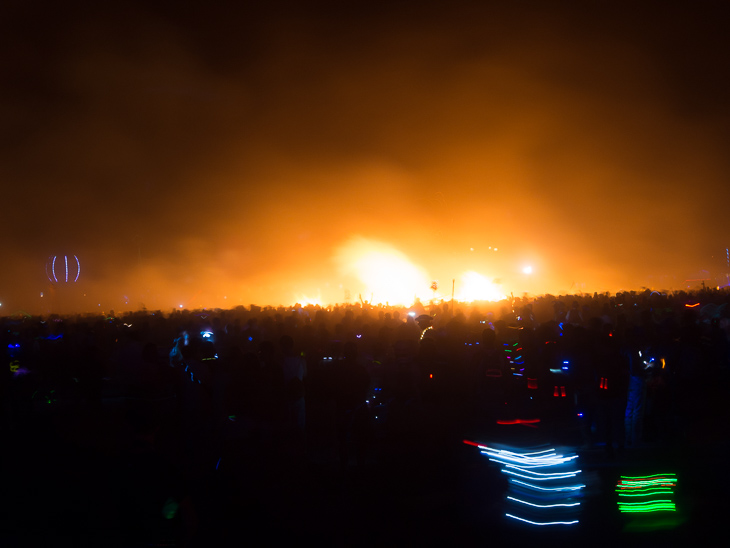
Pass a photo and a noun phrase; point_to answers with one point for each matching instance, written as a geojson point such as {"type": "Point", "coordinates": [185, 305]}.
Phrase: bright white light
{"type": "Point", "coordinates": [527, 270]}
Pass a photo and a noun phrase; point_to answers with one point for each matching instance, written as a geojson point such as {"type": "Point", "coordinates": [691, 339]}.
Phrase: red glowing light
{"type": "Point", "coordinates": [527, 422]}
{"type": "Point", "coordinates": [475, 444]}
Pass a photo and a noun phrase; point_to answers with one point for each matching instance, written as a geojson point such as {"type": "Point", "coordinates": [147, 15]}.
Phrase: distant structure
{"type": "Point", "coordinates": [63, 272]}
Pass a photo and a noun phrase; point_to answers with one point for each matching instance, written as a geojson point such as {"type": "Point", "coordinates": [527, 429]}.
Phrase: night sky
{"type": "Point", "coordinates": [250, 152]}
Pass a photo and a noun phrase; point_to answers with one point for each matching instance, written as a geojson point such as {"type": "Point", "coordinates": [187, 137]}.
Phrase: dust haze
{"type": "Point", "coordinates": [226, 158]}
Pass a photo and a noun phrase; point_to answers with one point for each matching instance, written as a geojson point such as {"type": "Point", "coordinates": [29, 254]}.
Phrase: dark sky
{"type": "Point", "coordinates": [237, 154]}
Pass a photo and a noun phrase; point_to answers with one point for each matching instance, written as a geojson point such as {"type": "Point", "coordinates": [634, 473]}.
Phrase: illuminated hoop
{"type": "Point", "coordinates": [53, 274]}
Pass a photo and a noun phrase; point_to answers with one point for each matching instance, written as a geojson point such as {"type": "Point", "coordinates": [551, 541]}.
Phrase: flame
{"type": "Point", "coordinates": [386, 274]}
{"type": "Point", "coordinates": [306, 300]}
{"type": "Point", "coordinates": [475, 287]}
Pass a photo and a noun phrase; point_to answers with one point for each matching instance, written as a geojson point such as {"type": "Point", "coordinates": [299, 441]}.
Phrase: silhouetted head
{"type": "Point", "coordinates": [424, 321]}
{"type": "Point", "coordinates": [489, 338]}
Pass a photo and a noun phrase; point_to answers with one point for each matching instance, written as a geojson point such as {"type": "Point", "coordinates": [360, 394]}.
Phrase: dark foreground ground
{"type": "Point", "coordinates": [80, 476]}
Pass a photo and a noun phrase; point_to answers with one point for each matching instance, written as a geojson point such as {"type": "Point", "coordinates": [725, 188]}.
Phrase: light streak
{"type": "Point", "coordinates": [557, 476]}
{"type": "Point", "coordinates": [548, 475]}
{"type": "Point", "coordinates": [526, 422]}
{"type": "Point", "coordinates": [475, 444]}
{"type": "Point", "coordinates": [648, 506]}
{"type": "Point", "coordinates": [555, 489]}
{"type": "Point", "coordinates": [646, 494]}
{"type": "Point", "coordinates": [654, 485]}
{"type": "Point", "coordinates": [536, 462]}
{"type": "Point", "coordinates": [521, 464]}
{"type": "Point", "coordinates": [543, 523]}
{"type": "Point", "coordinates": [544, 505]}
{"type": "Point", "coordinates": [642, 483]}
{"type": "Point", "coordinates": [643, 477]}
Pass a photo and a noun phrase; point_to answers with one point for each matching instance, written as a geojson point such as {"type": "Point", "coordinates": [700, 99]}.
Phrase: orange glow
{"type": "Point", "coordinates": [387, 276]}
{"type": "Point", "coordinates": [359, 158]}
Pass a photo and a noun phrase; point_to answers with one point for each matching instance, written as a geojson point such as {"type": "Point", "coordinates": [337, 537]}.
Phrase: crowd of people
{"type": "Point", "coordinates": [241, 391]}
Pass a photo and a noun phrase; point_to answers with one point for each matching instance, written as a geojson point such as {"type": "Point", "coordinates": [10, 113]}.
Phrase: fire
{"type": "Point", "coordinates": [388, 276]}
{"type": "Point", "coordinates": [306, 300]}
{"type": "Point", "coordinates": [475, 287]}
